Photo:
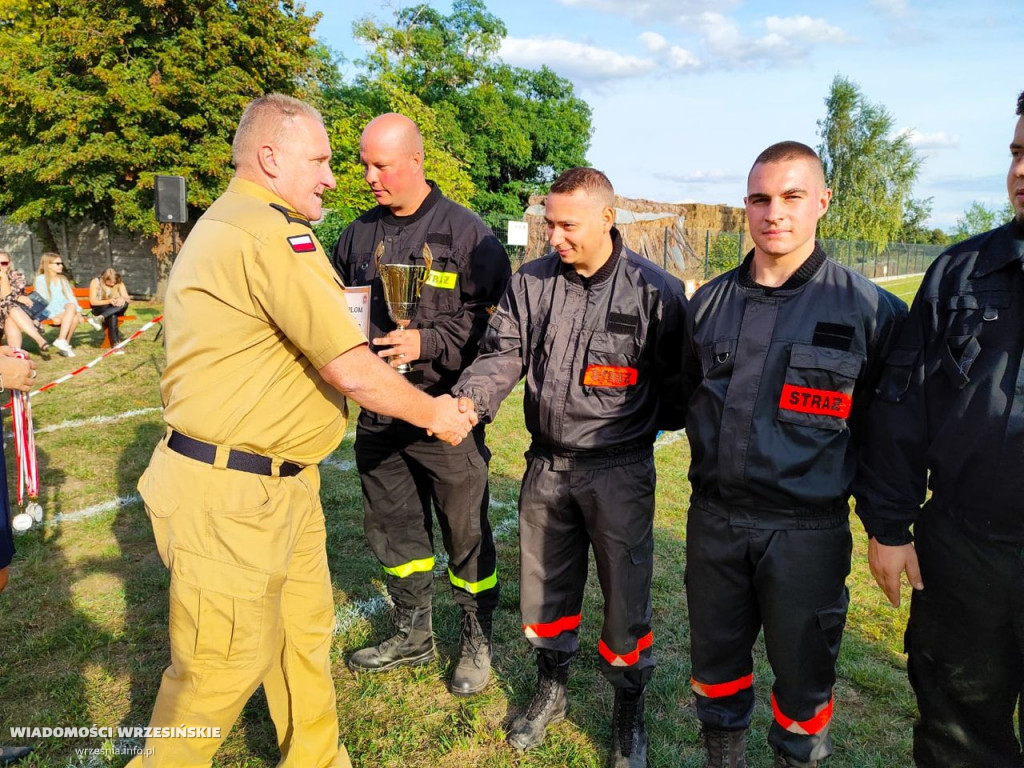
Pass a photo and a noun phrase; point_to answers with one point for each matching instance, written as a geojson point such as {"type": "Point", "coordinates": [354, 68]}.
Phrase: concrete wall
{"type": "Point", "coordinates": [88, 248]}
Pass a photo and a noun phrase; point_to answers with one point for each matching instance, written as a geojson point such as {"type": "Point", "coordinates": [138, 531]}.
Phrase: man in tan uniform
{"type": "Point", "coordinates": [254, 397]}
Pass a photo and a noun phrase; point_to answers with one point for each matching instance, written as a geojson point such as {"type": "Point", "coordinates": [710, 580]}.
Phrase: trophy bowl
{"type": "Point", "coordinates": [402, 284]}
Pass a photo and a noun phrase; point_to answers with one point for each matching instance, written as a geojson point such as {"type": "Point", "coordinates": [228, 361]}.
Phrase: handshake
{"type": "Point", "coordinates": [453, 419]}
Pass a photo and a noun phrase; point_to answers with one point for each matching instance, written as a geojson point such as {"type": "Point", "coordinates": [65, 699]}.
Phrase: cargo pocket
{"type": "Point", "coordinates": [832, 621]}
{"type": "Point", "coordinates": [818, 390]}
{"type": "Point", "coordinates": [896, 374]}
{"type": "Point", "coordinates": [717, 357]}
{"type": "Point", "coordinates": [641, 559]}
{"type": "Point", "coordinates": [217, 608]}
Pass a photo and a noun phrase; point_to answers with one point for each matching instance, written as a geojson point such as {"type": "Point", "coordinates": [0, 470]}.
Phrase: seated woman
{"type": "Point", "coordinates": [14, 319]}
{"type": "Point", "coordinates": [61, 305]}
{"type": "Point", "coordinates": [109, 298]}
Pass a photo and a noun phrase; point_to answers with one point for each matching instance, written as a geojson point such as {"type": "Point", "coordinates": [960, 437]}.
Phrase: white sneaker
{"type": "Point", "coordinates": [94, 322]}
{"type": "Point", "coordinates": [62, 346]}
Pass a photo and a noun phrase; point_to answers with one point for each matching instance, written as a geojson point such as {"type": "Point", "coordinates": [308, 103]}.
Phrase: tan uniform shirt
{"type": "Point", "coordinates": [253, 310]}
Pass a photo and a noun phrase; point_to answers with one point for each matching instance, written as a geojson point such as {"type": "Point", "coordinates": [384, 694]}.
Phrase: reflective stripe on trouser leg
{"type": "Point", "coordinates": [461, 499]}
{"type": "Point", "coordinates": [813, 725]}
{"type": "Point", "coordinates": [617, 504]}
{"type": "Point", "coordinates": [396, 517]}
{"type": "Point", "coordinates": [721, 690]}
{"type": "Point", "coordinates": [406, 479]}
{"type": "Point", "coordinates": [229, 621]}
{"type": "Point", "coordinates": [800, 581]}
{"type": "Point", "coordinates": [724, 619]}
{"type": "Point", "coordinates": [553, 551]}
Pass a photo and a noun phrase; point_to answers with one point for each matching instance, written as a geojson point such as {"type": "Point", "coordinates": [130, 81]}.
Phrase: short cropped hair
{"type": "Point", "coordinates": [267, 118]}
{"type": "Point", "coordinates": [590, 180]}
{"type": "Point", "coordinates": [1020, 103]}
{"type": "Point", "coordinates": [787, 150]}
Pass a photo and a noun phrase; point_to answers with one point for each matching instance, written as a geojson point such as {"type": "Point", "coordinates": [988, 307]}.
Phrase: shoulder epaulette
{"type": "Point", "coordinates": [292, 216]}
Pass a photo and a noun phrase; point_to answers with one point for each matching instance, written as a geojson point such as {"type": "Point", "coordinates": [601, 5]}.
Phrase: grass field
{"type": "Point", "coordinates": [83, 624]}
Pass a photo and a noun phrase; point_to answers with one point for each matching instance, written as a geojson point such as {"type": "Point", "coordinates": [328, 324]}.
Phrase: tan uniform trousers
{"type": "Point", "coordinates": [250, 603]}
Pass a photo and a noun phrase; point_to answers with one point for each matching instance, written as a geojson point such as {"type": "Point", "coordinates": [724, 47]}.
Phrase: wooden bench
{"type": "Point", "coordinates": [82, 295]}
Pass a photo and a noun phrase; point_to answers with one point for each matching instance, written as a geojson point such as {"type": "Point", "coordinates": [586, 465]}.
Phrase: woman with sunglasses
{"type": "Point", "coordinates": [14, 317]}
{"type": "Point", "coordinates": [61, 305]}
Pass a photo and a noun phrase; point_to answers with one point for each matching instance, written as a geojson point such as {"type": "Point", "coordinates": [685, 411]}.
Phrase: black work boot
{"type": "Point", "coordinates": [411, 645]}
{"type": "Point", "coordinates": [474, 668]}
{"type": "Point", "coordinates": [725, 749]}
{"type": "Point", "coordinates": [786, 761]}
{"type": "Point", "coordinates": [550, 703]}
{"type": "Point", "coordinates": [629, 736]}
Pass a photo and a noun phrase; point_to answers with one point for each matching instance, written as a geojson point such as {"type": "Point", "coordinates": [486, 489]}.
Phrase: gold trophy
{"type": "Point", "coordinates": [402, 284]}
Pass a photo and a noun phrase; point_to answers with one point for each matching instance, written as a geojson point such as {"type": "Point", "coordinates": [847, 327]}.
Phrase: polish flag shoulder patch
{"type": "Point", "coordinates": [302, 243]}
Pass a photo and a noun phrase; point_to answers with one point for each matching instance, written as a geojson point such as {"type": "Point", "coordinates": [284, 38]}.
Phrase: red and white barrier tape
{"type": "Point", "coordinates": [89, 365]}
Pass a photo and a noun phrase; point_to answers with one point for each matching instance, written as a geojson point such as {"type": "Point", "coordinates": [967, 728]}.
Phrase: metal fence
{"type": "Point", "coordinates": [716, 252]}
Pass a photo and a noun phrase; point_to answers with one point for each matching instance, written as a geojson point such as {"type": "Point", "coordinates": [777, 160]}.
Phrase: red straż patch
{"type": "Point", "coordinates": [609, 376]}
{"type": "Point", "coordinates": [820, 402]}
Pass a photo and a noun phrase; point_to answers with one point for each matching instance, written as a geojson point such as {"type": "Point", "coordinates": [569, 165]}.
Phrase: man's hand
{"type": "Point", "coordinates": [18, 373]}
{"type": "Point", "coordinates": [401, 347]}
{"type": "Point", "coordinates": [888, 565]}
{"type": "Point", "coordinates": [450, 422]}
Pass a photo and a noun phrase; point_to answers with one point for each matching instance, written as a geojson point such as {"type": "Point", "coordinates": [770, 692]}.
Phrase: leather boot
{"type": "Point", "coordinates": [725, 749]}
{"type": "Point", "coordinates": [474, 668]}
{"type": "Point", "coordinates": [629, 736]}
{"type": "Point", "coordinates": [786, 761]}
{"type": "Point", "coordinates": [550, 703]}
{"type": "Point", "coordinates": [411, 645]}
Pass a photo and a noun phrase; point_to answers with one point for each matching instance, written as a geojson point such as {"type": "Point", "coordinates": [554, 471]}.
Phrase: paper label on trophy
{"type": "Point", "coordinates": [358, 299]}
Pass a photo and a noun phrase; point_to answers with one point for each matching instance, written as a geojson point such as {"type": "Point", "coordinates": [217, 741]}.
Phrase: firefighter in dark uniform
{"type": "Point", "coordinates": [950, 416]}
{"type": "Point", "coordinates": [597, 332]}
{"type": "Point", "coordinates": [783, 354]}
{"type": "Point", "coordinates": [254, 397]}
{"type": "Point", "coordinates": [404, 473]}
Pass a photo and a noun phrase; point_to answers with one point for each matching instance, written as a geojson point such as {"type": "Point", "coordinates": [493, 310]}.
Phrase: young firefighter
{"type": "Point", "coordinates": [950, 417]}
{"type": "Point", "coordinates": [596, 330]}
{"type": "Point", "coordinates": [783, 354]}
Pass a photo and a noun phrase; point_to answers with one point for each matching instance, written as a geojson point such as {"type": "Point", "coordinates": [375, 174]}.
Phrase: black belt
{"type": "Point", "coordinates": [240, 460]}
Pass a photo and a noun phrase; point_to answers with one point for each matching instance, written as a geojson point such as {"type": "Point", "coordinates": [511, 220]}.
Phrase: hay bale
{"type": "Point", "coordinates": [670, 234]}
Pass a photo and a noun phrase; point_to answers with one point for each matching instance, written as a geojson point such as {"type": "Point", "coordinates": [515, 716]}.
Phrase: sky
{"type": "Point", "coordinates": [686, 93]}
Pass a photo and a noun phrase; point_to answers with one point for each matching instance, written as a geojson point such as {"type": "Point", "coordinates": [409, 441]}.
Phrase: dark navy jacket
{"type": "Point", "coordinates": [469, 272]}
{"type": "Point", "coordinates": [951, 401]}
{"type": "Point", "coordinates": [780, 381]}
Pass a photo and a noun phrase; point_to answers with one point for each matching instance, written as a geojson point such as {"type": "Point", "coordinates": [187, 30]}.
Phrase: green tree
{"type": "Point", "coordinates": [980, 218]}
{"type": "Point", "coordinates": [871, 172]}
{"type": "Point", "coordinates": [110, 94]}
{"type": "Point", "coordinates": [512, 128]}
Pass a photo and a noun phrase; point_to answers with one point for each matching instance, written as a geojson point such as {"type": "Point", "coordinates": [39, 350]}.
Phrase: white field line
{"type": "Point", "coordinates": [72, 423]}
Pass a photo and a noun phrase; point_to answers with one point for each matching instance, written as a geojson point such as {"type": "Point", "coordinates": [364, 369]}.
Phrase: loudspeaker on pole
{"type": "Point", "coordinates": [169, 202]}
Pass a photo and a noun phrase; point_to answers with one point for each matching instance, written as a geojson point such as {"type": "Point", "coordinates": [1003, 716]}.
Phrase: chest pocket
{"type": "Point", "coordinates": [613, 364]}
{"type": "Point", "coordinates": [818, 390]}
{"type": "Point", "coordinates": [441, 288]}
{"type": "Point", "coordinates": [970, 316]}
{"type": "Point", "coordinates": [359, 269]}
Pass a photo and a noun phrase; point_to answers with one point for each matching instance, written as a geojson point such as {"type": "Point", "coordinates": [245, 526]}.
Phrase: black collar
{"type": "Point", "coordinates": [425, 207]}
{"type": "Point", "coordinates": [803, 274]}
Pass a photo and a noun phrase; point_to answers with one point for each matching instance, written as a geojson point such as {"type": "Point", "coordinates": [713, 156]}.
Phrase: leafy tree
{"type": "Point", "coordinates": [980, 218]}
{"type": "Point", "coordinates": [110, 94]}
{"type": "Point", "coordinates": [514, 129]}
{"type": "Point", "coordinates": [871, 172]}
